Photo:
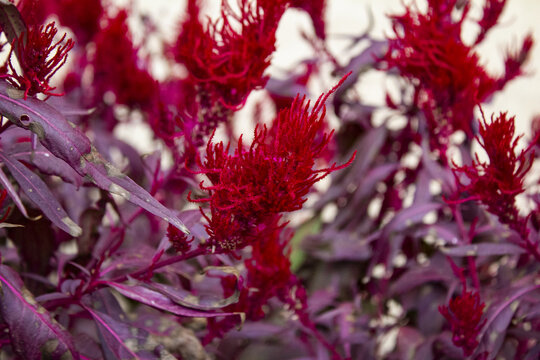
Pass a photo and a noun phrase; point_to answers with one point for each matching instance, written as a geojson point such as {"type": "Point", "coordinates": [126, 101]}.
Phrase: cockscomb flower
{"type": "Point", "coordinates": [464, 314]}
{"type": "Point", "coordinates": [490, 16]}
{"type": "Point", "coordinates": [118, 68]}
{"type": "Point", "coordinates": [447, 75]}
{"type": "Point", "coordinates": [315, 10]}
{"type": "Point", "coordinates": [39, 58]}
{"type": "Point", "coordinates": [82, 17]}
{"type": "Point", "coordinates": [227, 58]}
{"type": "Point", "coordinates": [273, 175]}
{"type": "Point", "coordinates": [497, 183]}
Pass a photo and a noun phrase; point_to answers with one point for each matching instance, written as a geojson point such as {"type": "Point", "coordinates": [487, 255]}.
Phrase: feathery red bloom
{"type": "Point", "coordinates": [315, 10]}
{"type": "Point", "coordinates": [82, 17]}
{"type": "Point", "coordinates": [497, 182]}
{"type": "Point", "coordinates": [490, 16]}
{"type": "Point", "coordinates": [118, 68]}
{"type": "Point", "coordinates": [272, 176]}
{"type": "Point", "coordinates": [227, 58]}
{"type": "Point", "coordinates": [178, 239]}
{"type": "Point", "coordinates": [464, 314]}
{"type": "Point", "coordinates": [39, 58]}
{"type": "Point", "coordinates": [448, 78]}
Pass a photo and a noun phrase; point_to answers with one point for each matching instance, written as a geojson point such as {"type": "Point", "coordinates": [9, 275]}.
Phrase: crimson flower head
{"type": "Point", "coordinates": [446, 73]}
{"type": "Point", "coordinates": [80, 16]}
{"type": "Point", "coordinates": [315, 9]}
{"type": "Point", "coordinates": [226, 59]}
{"type": "Point", "coordinates": [464, 314]}
{"type": "Point", "coordinates": [118, 68]}
{"type": "Point", "coordinates": [497, 182]}
{"type": "Point", "coordinates": [254, 185]}
{"type": "Point", "coordinates": [39, 57]}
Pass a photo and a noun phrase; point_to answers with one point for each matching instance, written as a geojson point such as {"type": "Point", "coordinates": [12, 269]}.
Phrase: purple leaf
{"type": "Point", "coordinates": [38, 192]}
{"type": "Point", "coordinates": [158, 300]}
{"type": "Point", "coordinates": [483, 249]}
{"type": "Point", "coordinates": [409, 215]}
{"type": "Point", "coordinates": [68, 143]}
{"type": "Point", "coordinates": [417, 277]}
{"type": "Point", "coordinates": [46, 163]}
{"type": "Point", "coordinates": [12, 193]}
{"type": "Point", "coordinates": [499, 315]}
{"type": "Point", "coordinates": [119, 340]}
{"type": "Point", "coordinates": [34, 333]}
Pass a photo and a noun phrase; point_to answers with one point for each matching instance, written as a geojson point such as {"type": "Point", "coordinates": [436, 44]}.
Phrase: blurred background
{"type": "Point", "coordinates": [346, 18]}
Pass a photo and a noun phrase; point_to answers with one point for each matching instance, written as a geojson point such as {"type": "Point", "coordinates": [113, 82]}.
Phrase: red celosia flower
{"type": "Point", "coordinates": [491, 13]}
{"type": "Point", "coordinates": [274, 175]}
{"type": "Point", "coordinates": [497, 182]}
{"type": "Point", "coordinates": [80, 16]}
{"type": "Point", "coordinates": [464, 313]}
{"type": "Point", "coordinates": [227, 58]}
{"type": "Point", "coordinates": [39, 58]}
{"type": "Point", "coordinates": [118, 68]}
{"type": "Point", "coordinates": [178, 239]}
{"type": "Point", "coordinates": [448, 78]}
{"type": "Point", "coordinates": [35, 12]}
{"type": "Point", "coordinates": [315, 9]}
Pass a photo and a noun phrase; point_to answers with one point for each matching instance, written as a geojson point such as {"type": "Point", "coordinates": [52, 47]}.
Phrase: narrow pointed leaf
{"type": "Point", "coordinates": [66, 142]}
{"type": "Point", "coordinates": [34, 333]}
{"type": "Point", "coordinates": [487, 249]}
{"type": "Point", "coordinates": [159, 300]}
{"type": "Point", "coordinates": [38, 192]}
{"type": "Point", "coordinates": [119, 340]}
{"type": "Point", "coordinates": [47, 163]}
{"type": "Point", "coordinates": [12, 193]}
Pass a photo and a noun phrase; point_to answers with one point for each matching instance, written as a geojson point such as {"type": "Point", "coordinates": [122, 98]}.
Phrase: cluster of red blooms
{"type": "Point", "coordinates": [117, 67]}
{"type": "Point", "coordinates": [253, 186]}
{"type": "Point", "coordinates": [497, 183]}
{"type": "Point", "coordinates": [39, 57]}
{"type": "Point", "coordinates": [464, 314]}
{"type": "Point", "coordinates": [448, 78]}
{"type": "Point", "coordinates": [226, 59]}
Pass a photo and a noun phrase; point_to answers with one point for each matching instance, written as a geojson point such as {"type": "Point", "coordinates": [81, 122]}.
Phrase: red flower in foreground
{"type": "Point", "coordinates": [497, 182]}
{"type": "Point", "coordinates": [253, 186]}
{"type": "Point", "coordinates": [464, 314]}
{"type": "Point", "coordinates": [39, 58]}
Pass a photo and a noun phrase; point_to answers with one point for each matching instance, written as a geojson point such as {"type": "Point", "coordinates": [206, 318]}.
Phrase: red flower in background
{"type": "Point", "coordinates": [39, 58]}
{"type": "Point", "coordinates": [315, 10]}
{"type": "Point", "coordinates": [82, 17]}
{"type": "Point", "coordinates": [464, 314]}
{"type": "Point", "coordinates": [448, 78]}
{"type": "Point", "coordinates": [226, 59]}
{"type": "Point", "coordinates": [497, 183]}
{"type": "Point", "coordinates": [118, 68]}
